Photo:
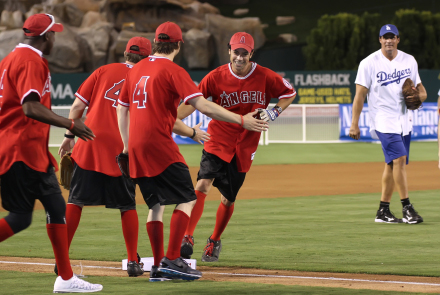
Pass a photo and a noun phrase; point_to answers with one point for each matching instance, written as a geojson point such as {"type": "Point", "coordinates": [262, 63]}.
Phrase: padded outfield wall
{"type": "Point", "coordinates": [320, 87]}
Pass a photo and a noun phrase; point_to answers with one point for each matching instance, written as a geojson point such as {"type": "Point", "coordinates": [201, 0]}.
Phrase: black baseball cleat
{"type": "Point", "coordinates": [410, 215]}
{"type": "Point", "coordinates": [155, 276]}
{"type": "Point", "coordinates": [134, 269]}
{"type": "Point", "coordinates": [386, 216]}
{"type": "Point", "coordinates": [186, 248]}
{"type": "Point", "coordinates": [212, 250]}
{"type": "Point", "coordinates": [178, 269]}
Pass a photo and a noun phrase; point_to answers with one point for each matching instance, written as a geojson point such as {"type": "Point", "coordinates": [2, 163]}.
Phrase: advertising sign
{"type": "Point", "coordinates": [424, 121]}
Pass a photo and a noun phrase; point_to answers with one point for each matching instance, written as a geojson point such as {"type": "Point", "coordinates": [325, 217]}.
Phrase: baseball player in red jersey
{"type": "Point", "coordinates": [147, 111]}
{"type": "Point", "coordinates": [240, 87]}
{"type": "Point", "coordinates": [27, 169]}
{"type": "Point", "coordinates": [96, 178]}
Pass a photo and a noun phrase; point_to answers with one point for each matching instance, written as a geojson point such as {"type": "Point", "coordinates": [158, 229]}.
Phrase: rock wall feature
{"type": "Point", "coordinates": [222, 28]}
{"type": "Point", "coordinates": [69, 13]}
{"type": "Point", "coordinates": [87, 5]}
{"type": "Point", "coordinates": [12, 20]}
{"type": "Point", "coordinates": [198, 49]}
{"type": "Point", "coordinates": [90, 18]}
{"type": "Point", "coordinates": [284, 20]}
{"type": "Point", "coordinates": [288, 38]}
{"type": "Point", "coordinates": [8, 40]}
{"type": "Point", "coordinates": [97, 31]}
{"type": "Point", "coordinates": [70, 54]}
{"type": "Point", "coordinates": [241, 11]}
{"type": "Point", "coordinates": [99, 39]}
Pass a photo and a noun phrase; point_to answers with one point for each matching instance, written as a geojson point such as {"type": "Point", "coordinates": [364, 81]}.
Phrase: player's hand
{"type": "Point", "coordinates": [252, 124]}
{"type": "Point", "coordinates": [82, 131]}
{"type": "Point", "coordinates": [125, 150]}
{"type": "Point", "coordinates": [66, 146]}
{"type": "Point", "coordinates": [201, 135]}
{"type": "Point", "coordinates": [267, 115]}
{"type": "Point", "coordinates": [438, 164]}
{"type": "Point", "coordinates": [355, 132]}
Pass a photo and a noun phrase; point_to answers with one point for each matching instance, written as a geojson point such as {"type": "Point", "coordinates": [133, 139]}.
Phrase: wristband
{"type": "Point", "coordinates": [69, 135]}
{"type": "Point", "coordinates": [278, 109]}
{"type": "Point", "coordinates": [194, 133]}
{"type": "Point", "coordinates": [71, 125]}
{"type": "Point", "coordinates": [242, 120]}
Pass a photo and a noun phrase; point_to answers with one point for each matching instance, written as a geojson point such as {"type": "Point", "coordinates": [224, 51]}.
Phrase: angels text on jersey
{"type": "Point", "coordinates": [234, 98]}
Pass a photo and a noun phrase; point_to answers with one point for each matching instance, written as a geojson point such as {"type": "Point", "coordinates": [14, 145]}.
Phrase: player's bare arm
{"type": "Point", "coordinates": [184, 110]}
{"type": "Point", "coordinates": [195, 133]}
{"type": "Point", "coordinates": [76, 112]}
{"type": "Point", "coordinates": [217, 112]}
{"type": "Point", "coordinates": [124, 124]}
{"type": "Point", "coordinates": [32, 108]}
{"type": "Point", "coordinates": [358, 105]}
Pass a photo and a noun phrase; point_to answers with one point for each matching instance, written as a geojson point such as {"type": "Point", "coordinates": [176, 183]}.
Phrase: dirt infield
{"type": "Point", "coordinates": [289, 181]}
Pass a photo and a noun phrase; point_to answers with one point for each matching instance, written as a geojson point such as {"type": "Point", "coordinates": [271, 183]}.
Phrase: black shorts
{"type": "Point", "coordinates": [90, 188]}
{"type": "Point", "coordinates": [226, 176]}
{"type": "Point", "coordinates": [173, 186]}
{"type": "Point", "coordinates": [21, 186]}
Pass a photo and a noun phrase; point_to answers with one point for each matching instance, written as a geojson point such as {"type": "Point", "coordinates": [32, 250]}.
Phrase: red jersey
{"type": "Point", "coordinates": [100, 92]}
{"type": "Point", "coordinates": [153, 90]}
{"type": "Point", "coordinates": [240, 95]}
{"type": "Point", "coordinates": [24, 71]}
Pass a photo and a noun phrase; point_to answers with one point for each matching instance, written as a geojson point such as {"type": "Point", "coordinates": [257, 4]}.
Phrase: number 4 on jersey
{"type": "Point", "coordinates": [1, 83]}
{"type": "Point", "coordinates": [140, 93]}
{"type": "Point", "coordinates": [113, 93]}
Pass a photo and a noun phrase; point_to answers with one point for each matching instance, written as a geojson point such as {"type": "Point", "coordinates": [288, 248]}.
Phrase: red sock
{"type": "Point", "coordinates": [155, 233]}
{"type": "Point", "coordinates": [224, 214]}
{"type": "Point", "coordinates": [58, 236]}
{"type": "Point", "coordinates": [130, 229]}
{"type": "Point", "coordinates": [196, 213]}
{"type": "Point", "coordinates": [5, 230]}
{"type": "Point", "coordinates": [179, 223]}
{"type": "Point", "coordinates": [73, 216]}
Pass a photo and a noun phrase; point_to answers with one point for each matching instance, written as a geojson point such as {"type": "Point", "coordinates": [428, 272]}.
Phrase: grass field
{"type": "Point", "coordinates": [114, 285]}
{"type": "Point", "coordinates": [320, 233]}
{"type": "Point", "coordinates": [308, 153]}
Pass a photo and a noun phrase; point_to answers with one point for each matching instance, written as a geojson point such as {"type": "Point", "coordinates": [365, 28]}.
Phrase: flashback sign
{"type": "Point", "coordinates": [320, 88]}
{"type": "Point", "coordinates": [424, 121]}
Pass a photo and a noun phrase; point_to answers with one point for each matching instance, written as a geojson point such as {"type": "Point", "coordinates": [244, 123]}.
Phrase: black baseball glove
{"type": "Point", "coordinates": [122, 160]}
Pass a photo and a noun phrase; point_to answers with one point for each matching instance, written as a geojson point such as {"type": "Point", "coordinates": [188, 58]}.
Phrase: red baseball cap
{"type": "Point", "coordinates": [41, 23]}
{"type": "Point", "coordinates": [242, 40]}
{"type": "Point", "coordinates": [139, 45]}
{"type": "Point", "coordinates": [172, 30]}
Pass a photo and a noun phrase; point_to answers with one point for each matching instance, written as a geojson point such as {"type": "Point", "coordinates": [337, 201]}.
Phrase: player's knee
{"type": "Point", "coordinates": [204, 185]}
{"type": "Point", "coordinates": [19, 221]}
{"type": "Point", "coordinates": [401, 161]}
{"type": "Point", "coordinates": [226, 202]}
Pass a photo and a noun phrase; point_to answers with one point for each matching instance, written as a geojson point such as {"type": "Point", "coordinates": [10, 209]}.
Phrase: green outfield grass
{"type": "Point", "coordinates": [321, 233]}
{"type": "Point", "coordinates": [39, 284]}
{"type": "Point", "coordinates": [311, 153]}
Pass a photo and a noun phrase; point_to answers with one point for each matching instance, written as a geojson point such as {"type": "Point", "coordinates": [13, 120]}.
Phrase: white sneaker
{"type": "Point", "coordinates": [75, 285]}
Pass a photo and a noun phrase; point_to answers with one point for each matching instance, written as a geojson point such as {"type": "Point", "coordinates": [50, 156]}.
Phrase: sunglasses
{"type": "Point", "coordinates": [51, 24]}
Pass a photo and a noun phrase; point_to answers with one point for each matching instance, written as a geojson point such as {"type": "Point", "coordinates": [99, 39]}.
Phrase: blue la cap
{"type": "Point", "coordinates": [388, 29]}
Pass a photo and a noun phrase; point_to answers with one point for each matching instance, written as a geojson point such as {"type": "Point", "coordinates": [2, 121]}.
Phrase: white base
{"type": "Point", "coordinates": [149, 261]}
